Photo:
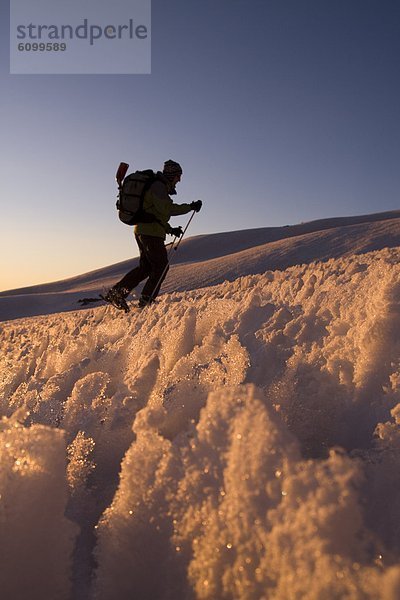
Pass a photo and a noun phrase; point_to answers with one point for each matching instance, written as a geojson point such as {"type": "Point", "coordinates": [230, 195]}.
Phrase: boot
{"type": "Point", "coordinates": [145, 301]}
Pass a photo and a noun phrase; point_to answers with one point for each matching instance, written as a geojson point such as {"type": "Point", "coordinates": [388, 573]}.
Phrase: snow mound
{"type": "Point", "coordinates": [235, 442]}
{"type": "Point", "coordinates": [36, 539]}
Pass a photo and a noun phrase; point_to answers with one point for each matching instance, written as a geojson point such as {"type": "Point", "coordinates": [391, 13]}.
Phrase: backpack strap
{"type": "Point", "coordinates": [153, 177]}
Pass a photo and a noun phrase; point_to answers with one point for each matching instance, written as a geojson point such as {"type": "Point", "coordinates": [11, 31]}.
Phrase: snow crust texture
{"type": "Point", "coordinates": [234, 442]}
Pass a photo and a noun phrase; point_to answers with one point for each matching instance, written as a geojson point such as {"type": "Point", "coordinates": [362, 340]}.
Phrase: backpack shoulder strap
{"type": "Point", "coordinates": [152, 177]}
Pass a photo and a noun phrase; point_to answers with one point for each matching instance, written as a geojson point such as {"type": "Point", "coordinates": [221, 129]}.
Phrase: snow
{"type": "Point", "coordinates": [233, 441]}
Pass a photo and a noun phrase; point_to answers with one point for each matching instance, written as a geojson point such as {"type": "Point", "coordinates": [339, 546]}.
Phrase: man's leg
{"type": "Point", "coordinates": [136, 275]}
{"type": "Point", "coordinates": [156, 255]}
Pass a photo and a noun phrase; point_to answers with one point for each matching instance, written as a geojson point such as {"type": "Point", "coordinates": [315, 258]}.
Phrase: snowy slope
{"type": "Point", "coordinates": [239, 441]}
{"type": "Point", "coordinates": [211, 259]}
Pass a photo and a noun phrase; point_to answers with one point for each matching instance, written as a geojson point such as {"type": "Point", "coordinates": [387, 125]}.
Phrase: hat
{"type": "Point", "coordinates": [172, 168]}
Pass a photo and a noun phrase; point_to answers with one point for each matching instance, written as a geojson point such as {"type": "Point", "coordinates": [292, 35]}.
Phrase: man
{"type": "Point", "coordinates": [153, 261]}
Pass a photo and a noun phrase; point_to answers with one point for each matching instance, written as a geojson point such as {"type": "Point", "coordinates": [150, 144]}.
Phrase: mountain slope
{"type": "Point", "coordinates": [212, 259]}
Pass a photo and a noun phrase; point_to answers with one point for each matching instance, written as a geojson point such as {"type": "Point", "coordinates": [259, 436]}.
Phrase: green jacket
{"type": "Point", "coordinates": [157, 202]}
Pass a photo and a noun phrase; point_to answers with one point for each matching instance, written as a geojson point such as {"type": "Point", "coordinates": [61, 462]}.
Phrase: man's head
{"type": "Point", "coordinates": [173, 172]}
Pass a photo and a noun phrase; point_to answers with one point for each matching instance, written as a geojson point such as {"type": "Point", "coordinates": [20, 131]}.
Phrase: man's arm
{"type": "Point", "coordinates": [180, 209]}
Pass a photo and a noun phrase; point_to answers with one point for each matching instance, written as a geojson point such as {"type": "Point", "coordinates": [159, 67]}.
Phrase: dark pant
{"type": "Point", "coordinates": [153, 262]}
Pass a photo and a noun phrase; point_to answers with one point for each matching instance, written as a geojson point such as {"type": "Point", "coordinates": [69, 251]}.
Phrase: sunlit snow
{"type": "Point", "coordinates": [238, 441]}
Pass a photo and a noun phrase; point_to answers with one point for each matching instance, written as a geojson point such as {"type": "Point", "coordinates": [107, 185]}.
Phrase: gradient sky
{"type": "Point", "coordinates": [280, 111]}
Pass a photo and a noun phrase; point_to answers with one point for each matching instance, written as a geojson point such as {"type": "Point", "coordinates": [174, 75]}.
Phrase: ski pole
{"type": "Point", "coordinates": [184, 231]}
{"type": "Point", "coordinates": [173, 247]}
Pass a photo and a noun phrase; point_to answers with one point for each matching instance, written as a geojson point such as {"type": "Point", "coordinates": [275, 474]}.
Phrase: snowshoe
{"type": "Point", "coordinates": [145, 301]}
{"type": "Point", "coordinates": [116, 299]}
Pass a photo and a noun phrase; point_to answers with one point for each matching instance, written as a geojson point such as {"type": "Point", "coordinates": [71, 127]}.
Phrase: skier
{"type": "Point", "coordinates": [153, 260]}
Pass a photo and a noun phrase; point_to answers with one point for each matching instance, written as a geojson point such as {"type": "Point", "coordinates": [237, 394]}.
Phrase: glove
{"type": "Point", "coordinates": [176, 231]}
{"type": "Point", "coordinates": [196, 205]}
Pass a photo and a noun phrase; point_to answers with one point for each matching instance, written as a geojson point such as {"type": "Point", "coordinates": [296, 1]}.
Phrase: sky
{"type": "Point", "coordinates": [280, 112]}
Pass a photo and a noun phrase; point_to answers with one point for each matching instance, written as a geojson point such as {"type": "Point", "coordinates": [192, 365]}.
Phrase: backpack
{"type": "Point", "coordinates": [131, 195]}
